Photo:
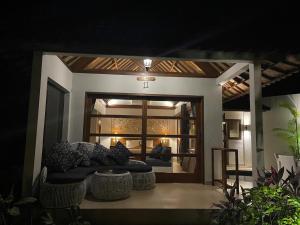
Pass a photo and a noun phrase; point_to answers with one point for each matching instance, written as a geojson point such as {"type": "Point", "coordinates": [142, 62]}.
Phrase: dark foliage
{"type": "Point", "coordinates": [273, 201]}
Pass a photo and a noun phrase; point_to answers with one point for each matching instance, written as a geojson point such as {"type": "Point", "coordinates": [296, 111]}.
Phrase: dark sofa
{"type": "Point", "coordinates": [80, 173]}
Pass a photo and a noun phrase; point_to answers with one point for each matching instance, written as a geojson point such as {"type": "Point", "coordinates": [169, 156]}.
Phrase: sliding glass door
{"type": "Point", "coordinates": [164, 131]}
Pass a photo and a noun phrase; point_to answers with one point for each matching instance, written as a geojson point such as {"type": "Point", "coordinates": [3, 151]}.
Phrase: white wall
{"type": "Point", "coordinates": [277, 117]}
{"type": "Point", "coordinates": [163, 85]}
{"type": "Point", "coordinates": [244, 144]}
{"type": "Point", "coordinates": [53, 68]}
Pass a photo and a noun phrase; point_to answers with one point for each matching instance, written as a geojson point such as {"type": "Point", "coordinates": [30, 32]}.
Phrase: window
{"type": "Point", "coordinates": [144, 125]}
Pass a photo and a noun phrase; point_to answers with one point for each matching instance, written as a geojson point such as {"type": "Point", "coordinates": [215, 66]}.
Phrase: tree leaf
{"type": "Point", "coordinates": [14, 211]}
{"type": "Point", "coordinates": [280, 173]}
{"type": "Point", "coordinates": [26, 200]}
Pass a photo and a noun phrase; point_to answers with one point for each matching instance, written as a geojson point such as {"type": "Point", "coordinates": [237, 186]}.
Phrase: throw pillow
{"type": "Point", "coordinates": [122, 148]}
{"type": "Point", "coordinates": [166, 154]}
{"type": "Point", "coordinates": [61, 158]}
{"type": "Point", "coordinates": [100, 154]}
{"type": "Point", "coordinates": [118, 156]}
{"type": "Point", "coordinates": [85, 154]}
{"type": "Point", "coordinates": [155, 153]}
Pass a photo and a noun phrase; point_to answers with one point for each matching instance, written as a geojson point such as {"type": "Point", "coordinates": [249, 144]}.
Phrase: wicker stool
{"type": "Point", "coordinates": [60, 195]}
{"type": "Point", "coordinates": [142, 180]}
{"type": "Point", "coordinates": [111, 185]}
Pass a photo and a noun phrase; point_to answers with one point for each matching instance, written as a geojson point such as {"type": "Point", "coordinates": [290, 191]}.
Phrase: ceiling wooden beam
{"type": "Point", "coordinates": [232, 72]}
{"type": "Point", "coordinates": [291, 64]}
{"type": "Point", "coordinates": [265, 84]}
{"type": "Point", "coordinates": [161, 74]}
{"type": "Point", "coordinates": [116, 63]}
{"type": "Point", "coordinates": [207, 69]}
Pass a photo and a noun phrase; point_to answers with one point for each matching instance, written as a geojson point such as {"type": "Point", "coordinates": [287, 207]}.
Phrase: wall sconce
{"type": "Point", "coordinates": [246, 127]}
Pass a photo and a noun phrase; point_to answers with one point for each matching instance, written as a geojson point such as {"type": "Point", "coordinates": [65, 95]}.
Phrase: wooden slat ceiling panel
{"type": "Point", "coordinates": [271, 71]}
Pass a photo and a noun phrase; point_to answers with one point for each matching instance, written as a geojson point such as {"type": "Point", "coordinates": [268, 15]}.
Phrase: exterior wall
{"type": "Point", "coordinates": [276, 117]}
{"type": "Point", "coordinates": [54, 69]}
{"type": "Point", "coordinates": [207, 88]}
{"type": "Point", "coordinates": [244, 144]}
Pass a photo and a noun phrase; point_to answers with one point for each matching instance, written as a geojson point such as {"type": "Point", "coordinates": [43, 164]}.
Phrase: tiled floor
{"type": "Point", "coordinates": [164, 196]}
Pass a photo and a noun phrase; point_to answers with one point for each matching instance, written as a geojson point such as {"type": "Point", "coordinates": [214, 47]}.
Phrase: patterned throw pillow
{"type": "Point", "coordinates": [61, 158]}
{"type": "Point", "coordinates": [155, 153]}
{"type": "Point", "coordinates": [118, 156]}
{"type": "Point", "coordinates": [166, 154]}
{"type": "Point", "coordinates": [85, 154]}
{"type": "Point", "coordinates": [122, 148]}
{"type": "Point", "coordinates": [100, 154]}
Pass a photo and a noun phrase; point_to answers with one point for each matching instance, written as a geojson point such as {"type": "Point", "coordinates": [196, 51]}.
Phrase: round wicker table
{"type": "Point", "coordinates": [111, 185]}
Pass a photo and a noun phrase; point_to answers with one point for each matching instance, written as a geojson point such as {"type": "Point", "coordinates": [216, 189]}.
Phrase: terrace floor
{"type": "Point", "coordinates": [165, 196]}
{"type": "Point", "coordinates": [167, 203]}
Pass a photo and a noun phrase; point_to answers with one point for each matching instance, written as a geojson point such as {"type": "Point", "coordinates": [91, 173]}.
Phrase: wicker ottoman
{"type": "Point", "coordinates": [60, 195]}
{"type": "Point", "coordinates": [143, 181]}
{"type": "Point", "coordinates": [111, 185]}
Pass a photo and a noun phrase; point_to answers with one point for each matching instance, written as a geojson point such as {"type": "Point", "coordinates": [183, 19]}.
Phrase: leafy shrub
{"type": "Point", "coordinates": [273, 201]}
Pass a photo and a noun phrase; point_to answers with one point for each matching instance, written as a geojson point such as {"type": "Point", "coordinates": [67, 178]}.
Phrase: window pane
{"type": "Point", "coordinates": [133, 144]}
{"type": "Point", "coordinates": [116, 125]}
{"type": "Point", "coordinates": [162, 126]}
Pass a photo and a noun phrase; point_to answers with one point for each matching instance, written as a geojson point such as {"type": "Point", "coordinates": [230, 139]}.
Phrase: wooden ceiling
{"type": "Point", "coordinates": [272, 72]}
{"type": "Point", "coordinates": [133, 66]}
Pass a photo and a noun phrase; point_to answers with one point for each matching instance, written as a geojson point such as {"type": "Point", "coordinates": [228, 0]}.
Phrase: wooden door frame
{"type": "Point", "coordinates": [198, 175]}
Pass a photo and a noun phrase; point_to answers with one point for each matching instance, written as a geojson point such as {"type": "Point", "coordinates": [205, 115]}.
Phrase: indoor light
{"type": "Point", "coordinates": [147, 63]}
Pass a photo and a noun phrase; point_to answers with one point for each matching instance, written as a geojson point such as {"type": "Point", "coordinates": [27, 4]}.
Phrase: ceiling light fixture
{"type": "Point", "coordinates": [146, 78]}
{"type": "Point", "coordinates": [147, 63]}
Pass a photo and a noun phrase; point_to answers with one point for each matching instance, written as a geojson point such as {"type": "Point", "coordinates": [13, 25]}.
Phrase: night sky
{"type": "Point", "coordinates": [150, 28]}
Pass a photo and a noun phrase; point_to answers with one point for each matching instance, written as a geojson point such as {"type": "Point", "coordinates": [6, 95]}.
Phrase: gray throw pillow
{"type": "Point", "coordinates": [118, 156]}
{"type": "Point", "coordinates": [85, 154]}
{"type": "Point", "coordinates": [61, 158]}
{"type": "Point", "coordinates": [122, 148]}
{"type": "Point", "coordinates": [100, 154]}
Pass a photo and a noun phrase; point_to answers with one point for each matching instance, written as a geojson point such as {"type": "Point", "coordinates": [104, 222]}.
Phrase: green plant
{"type": "Point", "coordinates": [10, 207]}
{"type": "Point", "coordinates": [291, 183]}
{"type": "Point", "coordinates": [14, 211]}
{"type": "Point", "coordinates": [271, 177]}
{"type": "Point", "coordinates": [273, 201]}
{"type": "Point", "coordinates": [230, 210]}
{"type": "Point", "coordinates": [270, 205]}
{"type": "Point", "coordinates": [291, 133]}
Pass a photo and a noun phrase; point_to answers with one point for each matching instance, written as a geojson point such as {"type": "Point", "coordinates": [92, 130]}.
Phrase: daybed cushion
{"type": "Point", "coordinates": [80, 173]}
{"type": "Point", "coordinates": [135, 168]}
{"type": "Point", "coordinates": [73, 175]}
{"type": "Point", "coordinates": [158, 162]}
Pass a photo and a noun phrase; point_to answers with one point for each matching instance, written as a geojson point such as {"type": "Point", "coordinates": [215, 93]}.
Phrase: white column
{"type": "Point", "coordinates": [256, 118]}
{"type": "Point", "coordinates": [32, 125]}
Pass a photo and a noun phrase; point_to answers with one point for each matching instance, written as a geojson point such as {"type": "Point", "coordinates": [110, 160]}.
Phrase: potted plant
{"type": "Point", "coordinates": [290, 134]}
